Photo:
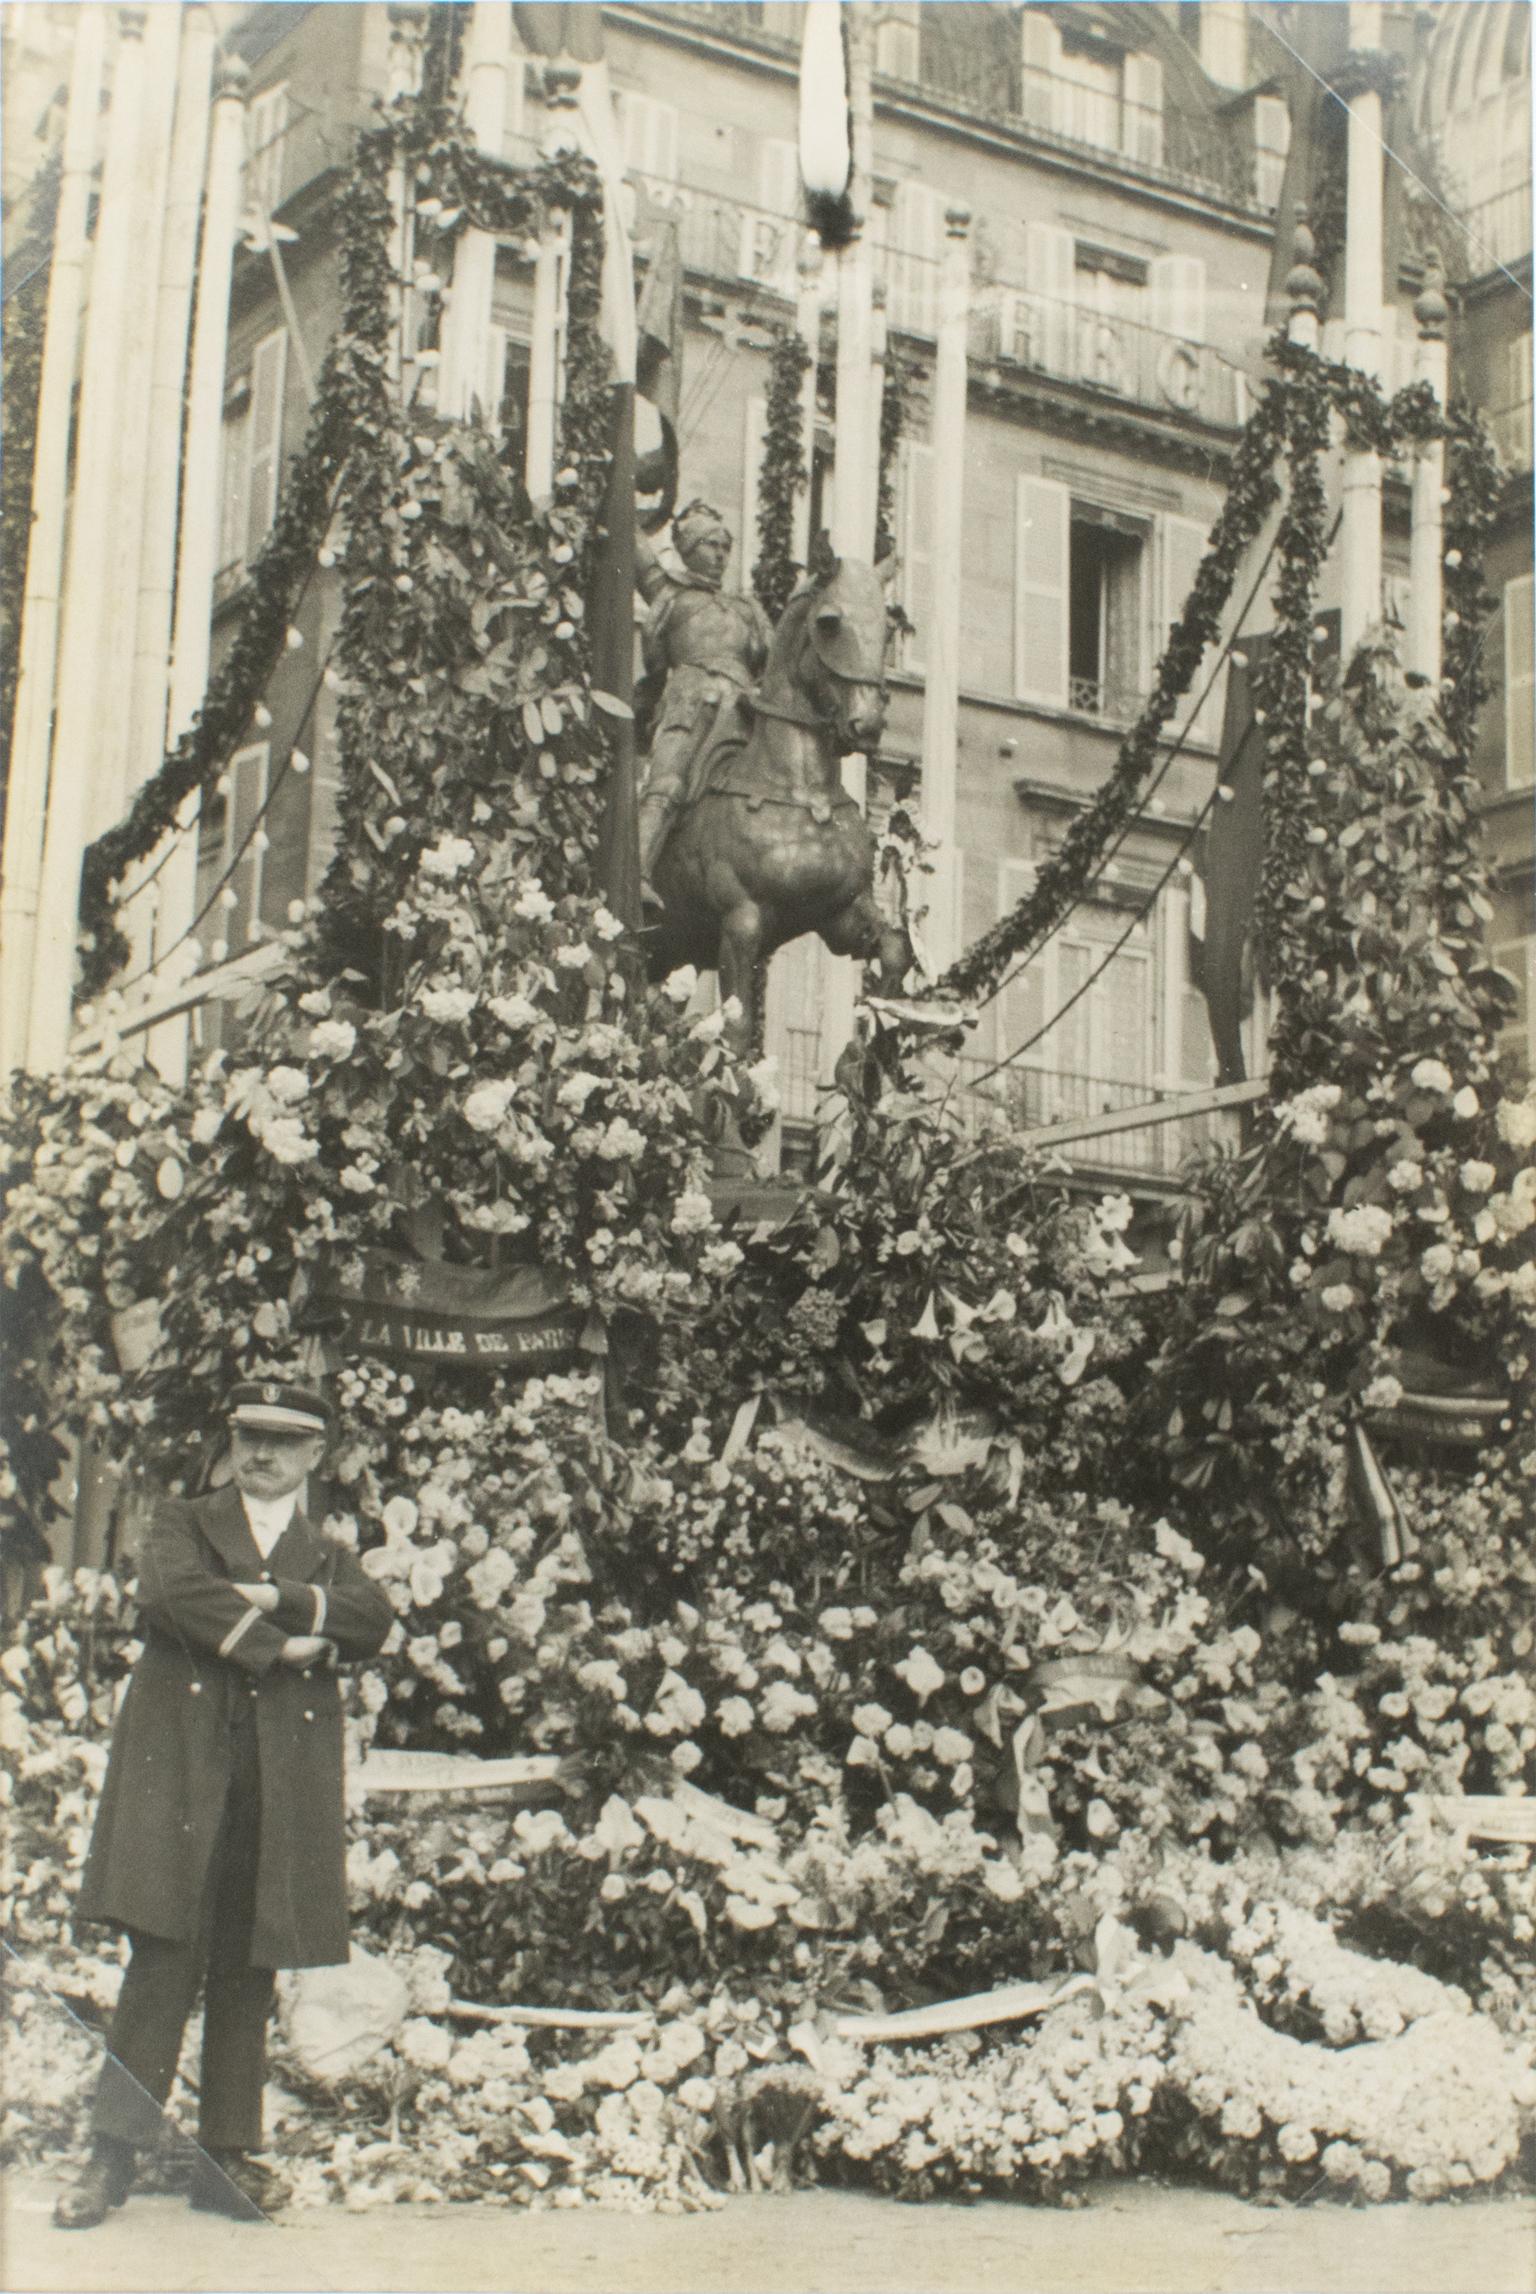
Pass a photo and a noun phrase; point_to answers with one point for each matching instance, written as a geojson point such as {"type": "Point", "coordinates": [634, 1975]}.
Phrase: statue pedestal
{"type": "Point", "coordinates": [756, 1201]}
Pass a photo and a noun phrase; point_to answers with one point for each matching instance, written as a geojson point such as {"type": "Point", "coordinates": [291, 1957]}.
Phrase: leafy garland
{"type": "Point", "coordinates": [1291, 419]}
{"type": "Point", "coordinates": [901, 377]}
{"type": "Point", "coordinates": [350, 418]}
{"type": "Point", "coordinates": [785, 472]}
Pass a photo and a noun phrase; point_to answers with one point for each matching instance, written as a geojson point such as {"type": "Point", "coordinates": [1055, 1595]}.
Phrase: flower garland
{"type": "Point", "coordinates": [901, 378]}
{"type": "Point", "coordinates": [349, 423]}
{"type": "Point", "coordinates": [784, 474]}
{"type": "Point", "coordinates": [1291, 418]}
{"type": "Point", "coordinates": [25, 319]}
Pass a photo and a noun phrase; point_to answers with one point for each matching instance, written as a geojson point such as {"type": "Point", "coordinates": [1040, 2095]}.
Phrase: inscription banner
{"type": "Point", "coordinates": [430, 1310]}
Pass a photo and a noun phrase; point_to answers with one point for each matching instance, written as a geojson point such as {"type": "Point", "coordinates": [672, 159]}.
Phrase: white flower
{"type": "Point", "coordinates": [951, 1746]}
{"type": "Point", "coordinates": [973, 1680]}
{"type": "Point", "coordinates": [574, 956]}
{"type": "Point", "coordinates": [621, 1143]}
{"type": "Point", "coordinates": [1466, 1103]}
{"type": "Point", "coordinates": [1339, 1297]}
{"type": "Point", "coordinates": [533, 904]}
{"type": "Point", "coordinates": [871, 1720]}
{"type": "Point", "coordinates": [708, 1029]}
{"type": "Point", "coordinates": [486, 1107]}
{"type": "Point", "coordinates": [694, 1213]}
{"type": "Point", "coordinates": [719, 1260]}
{"type": "Point", "coordinates": [1437, 1262]}
{"type": "Point", "coordinates": [205, 1125]}
{"type": "Point", "coordinates": [837, 1624]}
{"type": "Point", "coordinates": [763, 1075]}
{"type": "Point", "coordinates": [446, 1005]}
{"type": "Point", "coordinates": [425, 2044]}
{"type": "Point", "coordinates": [1361, 1230]}
{"type": "Point", "coordinates": [1432, 1075]}
{"type": "Point", "coordinates": [607, 926]}
{"type": "Point", "coordinates": [682, 985]}
{"type": "Point", "coordinates": [447, 857]}
{"type": "Point", "coordinates": [577, 1089]}
{"type": "Point", "coordinates": [921, 1674]}
{"type": "Point", "coordinates": [782, 1705]}
{"type": "Point", "coordinates": [734, 1717]}
{"type": "Point", "coordinates": [744, 1914]}
{"type": "Point", "coordinates": [333, 1039]}
{"type": "Point", "coordinates": [1477, 1177]}
{"type": "Point", "coordinates": [1516, 1120]}
{"type": "Point", "coordinates": [515, 1011]}
{"type": "Point", "coordinates": [286, 1140]}
{"type": "Point", "coordinates": [1404, 1176]}
{"type": "Point", "coordinates": [1383, 1393]}
{"type": "Point", "coordinates": [1306, 1116]}
{"type": "Point", "coordinates": [900, 1743]}
{"type": "Point", "coordinates": [490, 1577]}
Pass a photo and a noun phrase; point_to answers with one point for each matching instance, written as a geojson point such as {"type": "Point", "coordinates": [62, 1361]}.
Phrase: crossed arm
{"type": "Point", "coordinates": [182, 1588]}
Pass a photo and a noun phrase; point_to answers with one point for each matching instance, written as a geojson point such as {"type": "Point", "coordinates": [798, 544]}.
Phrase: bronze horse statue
{"type": "Point", "coordinates": [769, 844]}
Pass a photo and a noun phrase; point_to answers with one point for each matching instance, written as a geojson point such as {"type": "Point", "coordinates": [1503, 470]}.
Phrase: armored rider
{"type": "Point", "coordinates": [702, 645]}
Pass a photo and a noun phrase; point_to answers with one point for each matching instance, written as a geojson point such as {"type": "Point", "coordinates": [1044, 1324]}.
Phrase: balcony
{"type": "Point", "coordinates": [1116, 358]}
{"type": "Point", "coordinates": [1027, 1098]}
{"type": "Point", "coordinates": [1497, 230]}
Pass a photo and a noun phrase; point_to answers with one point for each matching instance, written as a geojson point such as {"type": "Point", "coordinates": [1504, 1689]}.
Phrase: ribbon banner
{"type": "Point", "coordinates": [428, 1310]}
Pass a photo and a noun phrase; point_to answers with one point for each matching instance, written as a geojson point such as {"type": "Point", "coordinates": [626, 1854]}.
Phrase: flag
{"type": "Point", "coordinates": [576, 32]}
{"type": "Point", "coordinates": [659, 366]}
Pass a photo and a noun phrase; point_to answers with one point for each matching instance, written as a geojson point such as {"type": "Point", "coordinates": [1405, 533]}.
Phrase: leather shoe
{"type": "Point", "coordinates": [235, 2184]}
{"type": "Point", "coordinates": [105, 2182]}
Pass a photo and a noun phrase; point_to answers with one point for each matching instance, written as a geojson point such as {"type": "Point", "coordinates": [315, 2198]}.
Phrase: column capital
{"type": "Point", "coordinates": [231, 79]}
{"type": "Point", "coordinates": [957, 220]}
{"type": "Point", "coordinates": [131, 23]}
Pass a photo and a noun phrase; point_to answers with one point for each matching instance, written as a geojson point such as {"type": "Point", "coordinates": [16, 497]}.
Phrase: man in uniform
{"type": "Point", "coordinates": [702, 645]}
{"type": "Point", "coordinates": [219, 1843]}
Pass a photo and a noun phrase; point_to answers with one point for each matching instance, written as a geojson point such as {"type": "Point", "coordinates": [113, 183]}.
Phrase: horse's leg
{"type": "Point", "coordinates": [741, 960]}
{"type": "Point", "coordinates": [861, 930]}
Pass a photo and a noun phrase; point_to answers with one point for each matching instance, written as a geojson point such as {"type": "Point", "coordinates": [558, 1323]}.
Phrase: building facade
{"type": "Point", "coordinates": [1123, 165]}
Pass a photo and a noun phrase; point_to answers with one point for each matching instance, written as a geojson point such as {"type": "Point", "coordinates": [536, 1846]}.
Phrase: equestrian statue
{"type": "Point", "coordinates": [748, 837]}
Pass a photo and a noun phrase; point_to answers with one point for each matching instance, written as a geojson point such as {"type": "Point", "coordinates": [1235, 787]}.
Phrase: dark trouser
{"type": "Point", "coordinates": [161, 1984]}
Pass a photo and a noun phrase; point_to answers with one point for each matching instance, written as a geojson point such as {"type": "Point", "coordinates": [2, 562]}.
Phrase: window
{"type": "Point", "coordinates": [231, 825]}
{"type": "Point", "coordinates": [1519, 670]}
{"type": "Point", "coordinates": [1518, 1036]}
{"type": "Point", "coordinates": [1510, 413]}
{"type": "Point", "coordinates": [1042, 516]}
{"type": "Point", "coordinates": [266, 127]}
{"type": "Point", "coordinates": [1183, 543]}
{"type": "Point", "coordinates": [1092, 991]}
{"type": "Point", "coordinates": [1106, 552]}
{"type": "Point", "coordinates": [1082, 86]}
{"type": "Point", "coordinates": [1271, 147]}
{"type": "Point", "coordinates": [252, 458]}
{"type": "Point", "coordinates": [770, 231]}
{"type": "Point", "coordinates": [648, 134]}
{"type": "Point", "coordinates": [504, 399]}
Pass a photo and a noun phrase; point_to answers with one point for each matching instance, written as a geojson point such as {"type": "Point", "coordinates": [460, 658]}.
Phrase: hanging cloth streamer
{"type": "Point", "coordinates": [826, 147]}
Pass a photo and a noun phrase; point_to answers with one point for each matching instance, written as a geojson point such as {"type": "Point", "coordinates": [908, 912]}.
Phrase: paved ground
{"type": "Point", "coordinates": [1134, 2238]}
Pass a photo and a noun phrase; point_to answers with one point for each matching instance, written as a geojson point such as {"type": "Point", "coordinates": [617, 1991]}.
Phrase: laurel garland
{"type": "Point", "coordinates": [31, 264]}
{"type": "Point", "coordinates": [347, 422]}
{"type": "Point", "coordinates": [901, 378]}
{"type": "Point", "coordinates": [1291, 419]}
{"type": "Point", "coordinates": [784, 474]}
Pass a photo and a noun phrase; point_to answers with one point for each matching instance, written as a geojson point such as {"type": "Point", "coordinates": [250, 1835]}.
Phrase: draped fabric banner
{"type": "Point", "coordinates": [424, 1309]}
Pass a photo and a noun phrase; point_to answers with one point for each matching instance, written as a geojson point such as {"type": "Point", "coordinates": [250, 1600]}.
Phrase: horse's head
{"type": "Point", "coordinates": [840, 656]}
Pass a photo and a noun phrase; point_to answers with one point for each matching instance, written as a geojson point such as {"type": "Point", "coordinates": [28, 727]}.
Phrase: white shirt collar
{"type": "Point", "coordinates": [269, 1517]}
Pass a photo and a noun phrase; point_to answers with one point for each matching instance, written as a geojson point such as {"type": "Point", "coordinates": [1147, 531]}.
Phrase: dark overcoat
{"type": "Point", "coordinates": [207, 1655]}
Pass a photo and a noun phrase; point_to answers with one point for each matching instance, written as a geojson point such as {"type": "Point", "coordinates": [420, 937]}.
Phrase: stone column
{"type": "Point", "coordinates": [1360, 542]}
{"type": "Point", "coordinates": [941, 633]}
{"type": "Point", "coordinates": [467, 319]}
{"type": "Point", "coordinates": [1426, 549]}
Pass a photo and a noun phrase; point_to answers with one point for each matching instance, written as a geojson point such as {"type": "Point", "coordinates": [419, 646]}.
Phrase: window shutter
{"type": "Point", "coordinates": [493, 380]}
{"type": "Point", "coordinates": [1042, 546]}
{"type": "Point", "coordinates": [1178, 296]}
{"type": "Point", "coordinates": [770, 233]}
{"type": "Point", "coordinates": [234, 488]}
{"type": "Point", "coordinates": [1272, 143]}
{"type": "Point", "coordinates": [269, 367]}
{"type": "Point", "coordinates": [897, 47]}
{"type": "Point", "coordinates": [1042, 64]}
{"type": "Point", "coordinates": [249, 771]}
{"type": "Point", "coordinates": [648, 134]}
{"type": "Point", "coordinates": [1141, 134]}
{"type": "Point", "coordinates": [1050, 258]}
{"type": "Point", "coordinates": [1519, 669]}
{"type": "Point", "coordinates": [1184, 541]}
{"type": "Point", "coordinates": [266, 127]}
{"type": "Point", "coordinates": [754, 427]}
{"type": "Point", "coordinates": [917, 234]}
{"type": "Point", "coordinates": [914, 524]}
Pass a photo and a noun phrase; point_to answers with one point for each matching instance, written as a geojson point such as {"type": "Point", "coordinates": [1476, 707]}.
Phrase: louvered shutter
{"type": "Point", "coordinates": [914, 525]}
{"type": "Point", "coordinates": [266, 129]}
{"type": "Point", "coordinates": [1519, 648]}
{"type": "Point", "coordinates": [770, 231]}
{"type": "Point", "coordinates": [1042, 65]}
{"type": "Point", "coordinates": [1042, 545]}
{"type": "Point", "coordinates": [1050, 260]}
{"type": "Point", "coordinates": [244, 862]}
{"type": "Point", "coordinates": [1025, 1003]}
{"type": "Point", "coordinates": [917, 235]}
{"type": "Point", "coordinates": [1177, 284]}
{"type": "Point", "coordinates": [1141, 134]}
{"type": "Point", "coordinates": [648, 134]}
{"type": "Point", "coordinates": [269, 368]}
{"type": "Point", "coordinates": [234, 488]}
{"type": "Point", "coordinates": [1184, 543]}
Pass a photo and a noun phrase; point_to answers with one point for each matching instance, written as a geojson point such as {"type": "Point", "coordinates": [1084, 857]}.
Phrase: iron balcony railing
{"type": "Point", "coordinates": [1024, 1099]}
{"type": "Point", "coordinates": [1214, 155]}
